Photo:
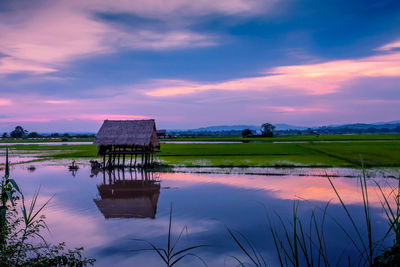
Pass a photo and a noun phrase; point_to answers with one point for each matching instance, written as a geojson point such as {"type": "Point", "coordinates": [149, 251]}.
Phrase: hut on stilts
{"type": "Point", "coordinates": [124, 143]}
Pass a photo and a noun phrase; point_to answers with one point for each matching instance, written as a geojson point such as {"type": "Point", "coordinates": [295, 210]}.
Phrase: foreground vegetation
{"type": "Point", "coordinates": [375, 152]}
{"type": "Point", "coordinates": [303, 241]}
{"type": "Point", "coordinates": [21, 242]}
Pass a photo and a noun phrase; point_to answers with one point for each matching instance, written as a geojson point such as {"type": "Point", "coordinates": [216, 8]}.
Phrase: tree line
{"type": "Point", "coordinates": [20, 132]}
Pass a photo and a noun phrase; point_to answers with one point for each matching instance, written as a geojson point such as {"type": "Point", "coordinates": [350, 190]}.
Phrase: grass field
{"type": "Point", "coordinates": [376, 151]}
{"type": "Point", "coordinates": [288, 138]}
{"type": "Point", "coordinates": [283, 138]}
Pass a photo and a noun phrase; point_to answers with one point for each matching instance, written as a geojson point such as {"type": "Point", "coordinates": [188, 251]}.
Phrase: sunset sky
{"type": "Point", "coordinates": [68, 65]}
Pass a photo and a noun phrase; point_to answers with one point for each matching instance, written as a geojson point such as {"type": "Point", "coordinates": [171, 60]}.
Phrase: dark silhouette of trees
{"type": "Point", "coordinates": [18, 132]}
{"type": "Point", "coordinates": [267, 129]}
{"type": "Point", "coordinates": [247, 133]}
{"type": "Point", "coordinates": [34, 135]}
{"type": "Point", "coordinates": [5, 135]}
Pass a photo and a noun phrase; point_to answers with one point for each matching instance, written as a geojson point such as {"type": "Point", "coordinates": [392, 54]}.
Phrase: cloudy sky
{"type": "Point", "coordinates": [68, 65]}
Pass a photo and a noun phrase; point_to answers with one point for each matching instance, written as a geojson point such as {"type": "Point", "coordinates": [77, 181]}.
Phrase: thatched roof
{"type": "Point", "coordinates": [128, 132]}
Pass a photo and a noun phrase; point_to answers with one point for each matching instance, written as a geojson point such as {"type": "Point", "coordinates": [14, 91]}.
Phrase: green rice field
{"type": "Point", "coordinates": [304, 151]}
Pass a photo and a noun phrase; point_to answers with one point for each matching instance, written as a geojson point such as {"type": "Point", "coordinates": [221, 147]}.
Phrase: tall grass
{"type": "Point", "coordinates": [300, 244]}
{"type": "Point", "coordinates": [171, 255]}
{"type": "Point", "coordinates": [19, 229]}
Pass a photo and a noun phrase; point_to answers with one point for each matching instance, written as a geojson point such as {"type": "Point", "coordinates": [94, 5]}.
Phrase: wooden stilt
{"type": "Point", "coordinates": [118, 157]}
{"type": "Point", "coordinates": [113, 161]}
{"type": "Point", "coordinates": [109, 177]}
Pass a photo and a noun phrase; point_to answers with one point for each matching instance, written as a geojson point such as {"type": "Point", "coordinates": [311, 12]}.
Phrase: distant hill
{"type": "Point", "coordinates": [282, 127]}
{"type": "Point", "coordinates": [229, 128]}
{"type": "Point", "coordinates": [364, 126]}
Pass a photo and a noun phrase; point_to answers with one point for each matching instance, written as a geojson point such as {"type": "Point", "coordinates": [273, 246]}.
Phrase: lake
{"type": "Point", "coordinates": [103, 212]}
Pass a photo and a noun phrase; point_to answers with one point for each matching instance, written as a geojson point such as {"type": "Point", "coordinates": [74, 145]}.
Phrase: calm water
{"type": "Point", "coordinates": [104, 212]}
{"type": "Point", "coordinates": [47, 143]}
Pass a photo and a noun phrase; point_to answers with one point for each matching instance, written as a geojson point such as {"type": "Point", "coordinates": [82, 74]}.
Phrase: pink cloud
{"type": "Point", "coordinates": [5, 102]}
{"type": "Point", "coordinates": [101, 117]}
{"type": "Point", "coordinates": [389, 46]}
{"type": "Point", "coordinates": [32, 108]}
{"type": "Point", "coordinates": [312, 79]}
{"type": "Point", "coordinates": [58, 102]}
{"type": "Point", "coordinates": [296, 109]}
{"type": "Point", "coordinates": [24, 119]}
{"type": "Point", "coordinates": [11, 65]}
{"type": "Point", "coordinates": [43, 39]}
{"type": "Point", "coordinates": [93, 117]}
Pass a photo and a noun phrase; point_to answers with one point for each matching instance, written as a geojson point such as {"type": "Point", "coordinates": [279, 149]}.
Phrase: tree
{"type": "Point", "coordinates": [18, 132]}
{"type": "Point", "coordinates": [5, 135]}
{"type": "Point", "coordinates": [33, 135]}
{"type": "Point", "coordinates": [267, 129]}
{"type": "Point", "coordinates": [246, 133]}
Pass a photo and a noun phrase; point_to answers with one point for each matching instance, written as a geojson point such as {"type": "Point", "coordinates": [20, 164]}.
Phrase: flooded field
{"type": "Point", "coordinates": [104, 211]}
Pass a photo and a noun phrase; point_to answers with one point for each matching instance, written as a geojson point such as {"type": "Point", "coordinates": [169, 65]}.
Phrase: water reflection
{"type": "Point", "coordinates": [82, 209]}
{"type": "Point", "coordinates": [135, 197]}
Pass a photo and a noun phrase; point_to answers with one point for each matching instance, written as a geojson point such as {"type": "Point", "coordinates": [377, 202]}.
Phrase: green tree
{"type": "Point", "coordinates": [246, 133]}
{"type": "Point", "coordinates": [5, 135]}
{"type": "Point", "coordinates": [34, 135]}
{"type": "Point", "coordinates": [267, 129]}
{"type": "Point", "coordinates": [18, 132]}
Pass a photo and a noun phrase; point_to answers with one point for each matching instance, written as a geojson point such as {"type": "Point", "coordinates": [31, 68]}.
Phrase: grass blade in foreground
{"type": "Point", "coordinates": [170, 256]}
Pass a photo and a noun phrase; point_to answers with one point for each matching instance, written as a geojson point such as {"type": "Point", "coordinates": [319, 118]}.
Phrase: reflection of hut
{"type": "Point", "coordinates": [128, 198]}
{"type": "Point", "coordinates": [117, 139]}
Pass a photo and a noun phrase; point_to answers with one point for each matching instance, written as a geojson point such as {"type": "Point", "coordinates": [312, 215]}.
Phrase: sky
{"type": "Point", "coordinates": [69, 65]}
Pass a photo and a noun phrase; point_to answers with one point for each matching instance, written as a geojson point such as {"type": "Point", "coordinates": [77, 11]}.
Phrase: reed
{"type": "Point", "coordinates": [171, 255]}
{"type": "Point", "coordinates": [299, 244]}
{"type": "Point", "coordinates": [17, 245]}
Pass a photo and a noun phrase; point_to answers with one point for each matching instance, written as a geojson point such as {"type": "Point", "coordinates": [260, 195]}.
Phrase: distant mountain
{"type": "Point", "coordinates": [387, 122]}
{"type": "Point", "coordinates": [364, 126]}
{"type": "Point", "coordinates": [221, 128]}
{"type": "Point", "coordinates": [227, 128]}
{"type": "Point", "coordinates": [287, 127]}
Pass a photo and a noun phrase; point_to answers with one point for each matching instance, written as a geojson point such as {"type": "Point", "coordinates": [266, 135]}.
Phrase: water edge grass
{"type": "Point", "coordinates": [375, 154]}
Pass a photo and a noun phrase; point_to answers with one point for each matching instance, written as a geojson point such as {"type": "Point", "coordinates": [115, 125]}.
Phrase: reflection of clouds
{"type": "Point", "coordinates": [73, 217]}
{"type": "Point", "coordinates": [287, 187]}
{"type": "Point", "coordinates": [78, 229]}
